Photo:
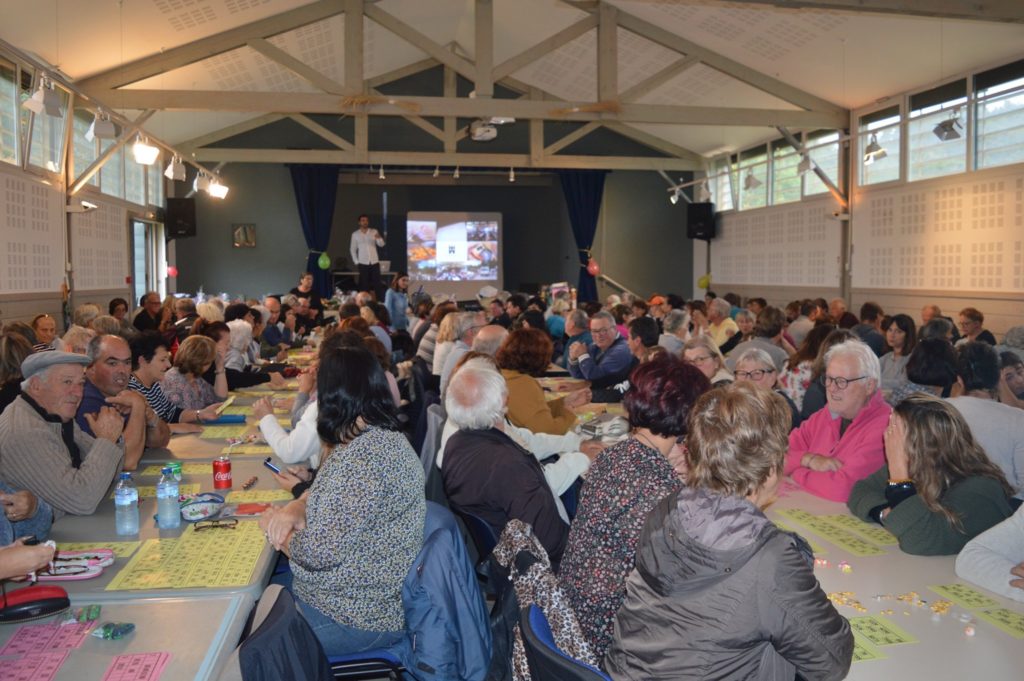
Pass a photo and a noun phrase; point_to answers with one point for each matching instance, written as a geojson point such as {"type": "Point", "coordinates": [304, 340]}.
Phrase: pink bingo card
{"type": "Point", "coordinates": [33, 667]}
{"type": "Point", "coordinates": [35, 638]}
{"type": "Point", "coordinates": [137, 667]}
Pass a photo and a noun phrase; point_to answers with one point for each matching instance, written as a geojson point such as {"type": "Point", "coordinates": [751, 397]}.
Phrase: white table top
{"type": "Point", "coordinates": [199, 633]}
{"type": "Point", "coordinates": [944, 650]}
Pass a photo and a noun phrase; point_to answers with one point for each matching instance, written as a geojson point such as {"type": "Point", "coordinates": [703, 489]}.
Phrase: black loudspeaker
{"type": "Point", "coordinates": [700, 221]}
{"type": "Point", "coordinates": [180, 219]}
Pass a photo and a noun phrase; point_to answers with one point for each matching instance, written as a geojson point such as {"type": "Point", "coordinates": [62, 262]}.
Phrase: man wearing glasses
{"type": "Point", "coordinates": [843, 441]}
{"type": "Point", "coordinates": [607, 360]}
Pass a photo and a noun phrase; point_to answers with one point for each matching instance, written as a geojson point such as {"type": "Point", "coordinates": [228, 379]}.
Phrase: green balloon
{"type": "Point", "coordinates": [324, 261]}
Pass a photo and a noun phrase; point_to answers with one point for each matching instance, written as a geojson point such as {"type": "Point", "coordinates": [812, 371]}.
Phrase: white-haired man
{"type": "Point", "coordinates": [489, 339]}
{"type": "Point", "coordinates": [486, 473]}
{"type": "Point", "coordinates": [44, 450]}
{"type": "Point", "coordinates": [842, 442]}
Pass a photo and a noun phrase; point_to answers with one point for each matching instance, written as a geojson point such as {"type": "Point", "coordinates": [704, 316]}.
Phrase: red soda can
{"type": "Point", "coordinates": [222, 473]}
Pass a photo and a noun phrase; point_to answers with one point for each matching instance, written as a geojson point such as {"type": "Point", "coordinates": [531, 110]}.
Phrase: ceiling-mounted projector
{"type": "Point", "coordinates": [481, 131]}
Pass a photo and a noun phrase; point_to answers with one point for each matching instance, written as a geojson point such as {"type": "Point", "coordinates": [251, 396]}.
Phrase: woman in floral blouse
{"type": "Point", "coordinates": [623, 485]}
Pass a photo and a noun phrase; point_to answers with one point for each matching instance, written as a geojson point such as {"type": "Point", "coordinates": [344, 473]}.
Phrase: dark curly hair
{"type": "Point", "coordinates": [662, 392]}
{"type": "Point", "coordinates": [527, 351]}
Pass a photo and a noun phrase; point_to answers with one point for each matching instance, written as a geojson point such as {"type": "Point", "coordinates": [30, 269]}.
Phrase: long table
{"type": "Point", "coordinates": [943, 649]}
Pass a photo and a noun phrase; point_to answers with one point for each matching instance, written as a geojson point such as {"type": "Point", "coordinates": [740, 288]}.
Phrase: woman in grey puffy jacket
{"type": "Point", "coordinates": [719, 592]}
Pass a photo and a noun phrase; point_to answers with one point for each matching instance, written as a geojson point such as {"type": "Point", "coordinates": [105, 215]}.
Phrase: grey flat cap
{"type": "Point", "coordinates": [39, 361]}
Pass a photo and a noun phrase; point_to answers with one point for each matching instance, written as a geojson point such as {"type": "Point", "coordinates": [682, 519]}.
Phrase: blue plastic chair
{"type": "Point", "coordinates": [547, 662]}
{"type": "Point", "coordinates": [481, 532]}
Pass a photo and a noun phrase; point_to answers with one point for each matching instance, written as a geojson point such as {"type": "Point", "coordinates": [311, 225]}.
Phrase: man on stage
{"type": "Point", "coordinates": [363, 249]}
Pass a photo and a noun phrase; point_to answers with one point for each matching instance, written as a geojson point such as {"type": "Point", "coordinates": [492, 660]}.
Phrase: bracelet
{"type": "Point", "coordinates": [901, 483]}
{"type": "Point", "coordinates": [221, 371]}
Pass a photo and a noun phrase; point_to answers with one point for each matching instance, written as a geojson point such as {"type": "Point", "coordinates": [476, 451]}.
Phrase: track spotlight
{"type": "Point", "coordinates": [201, 183]}
{"type": "Point", "coordinates": [216, 189]}
{"type": "Point", "coordinates": [874, 151]}
{"type": "Point", "coordinates": [804, 166]}
{"type": "Point", "coordinates": [102, 128]}
{"type": "Point", "coordinates": [437, 171]}
{"type": "Point", "coordinates": [674, 197]}
{"type": "Point", "coordinates": [947, 129]}
{"type": "Point", "coordinates": [380, 173]}
{"type": "Point", "coordinates": [44, 100]}
{"type": "Point", "coordinates": [511, 174]}
{"type": "Point", "coordinates": [703, 195]}
{"type": "Point", "coordinates": [175, 169]}
{"type": "Point", "coordinates": [144, 152]}
{"type": "Point", "coordinates": [751, 182]}
{"type": "Point", "coordinates": [455, 175]}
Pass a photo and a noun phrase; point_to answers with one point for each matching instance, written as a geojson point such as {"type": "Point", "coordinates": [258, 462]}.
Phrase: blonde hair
{"type": "Point", "coordinates": [446, 330]}
{"type": "Point", "coordinates": [941, 451]}
{"type": "Point", "coordinates": [705, 343]}
{"type": "Point", "coordinates": [737, 436]}
{"type": "Point", "coordinates": [194, 353]}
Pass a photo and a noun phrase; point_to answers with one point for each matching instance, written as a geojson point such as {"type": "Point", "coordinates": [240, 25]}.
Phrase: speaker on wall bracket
{"type": "Point", "coordinates": [701, 221]}
{"type": "Point", "coordinates": [180, 218]}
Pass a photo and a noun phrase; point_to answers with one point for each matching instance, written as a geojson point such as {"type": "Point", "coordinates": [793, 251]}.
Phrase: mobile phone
{"type": "Point", "coordinates": [31, 540]}
{"type": "Point", "coordinates": [270, 465]}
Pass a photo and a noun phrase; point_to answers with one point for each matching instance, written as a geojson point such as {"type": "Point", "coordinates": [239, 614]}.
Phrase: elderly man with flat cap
{"type": "Point", "coordinates": [43, 450]}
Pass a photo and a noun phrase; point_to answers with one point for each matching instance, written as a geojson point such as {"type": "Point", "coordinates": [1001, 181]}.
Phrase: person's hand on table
{"type": "Point", "coordinates": [292, 476]}
{"type": "Point", "coordinates": [262, 407]}
{"type": "Point", "coordinates": [282, 355]}
{"type": "Point", "coordinates": [20, 505]}
{"type": "Point", "coordinates": [820, 463]}
{"type": "Point", "coordinates": [277, 380]}
{"type": "Point", "coordinates": [577, 349]}
{"type": "Point", "coordinates": [577, 398]}
{"type": "Point", "coordinates": [184, 428]}
{"type": "Point", "coordinates": [210, 413]}
{"type": "Point", "coordinates": [1018, 572]}
{"type": "Point", "coordinates": [289, 320]}
{"type": "Point", "coordinates": [107, 423]}
{"type": "Point", "coordinates": [279, 523]}
{"type": "Point", "coordinates": [17, 560]}
{"type": "Point", "coordinates": [895, 449]}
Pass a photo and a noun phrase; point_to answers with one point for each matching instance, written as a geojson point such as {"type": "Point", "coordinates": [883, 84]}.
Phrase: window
{"type": "Point", "coordinates": [785, 178]}
{"type": "Point", "coordinates": [881, 128]}
{"type": "Point", "coordinates": [823, 148]}
{"type": "Point", "coordinates": [753, 163]}
{"type": "Point", "coordinates": [112, 172]}
{"type": "Point", "coordinates": [939, 111]}
{"type": "Point", "coordinates": [47, 149]}
{"type": "Point", "coordinates": [155, 183]}
{"type": "Point", "coordinates": [135, 179]}
{"type": "Point", "coordinates": [149, 258]}
{"type": "Point", "coordinates": [8, 113]}
{"type": "Point", "coordinates": [85, 152]}
{"type": "Point", "coordinates": [999, 116]}
{"type": "Point", "coordinates": [720, 184]}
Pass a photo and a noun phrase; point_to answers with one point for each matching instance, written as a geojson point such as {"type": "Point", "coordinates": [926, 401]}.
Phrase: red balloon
{"type": "Point", "coordinates": [593, 268]}
{"type": "Point", "coordinates": [172, 271]}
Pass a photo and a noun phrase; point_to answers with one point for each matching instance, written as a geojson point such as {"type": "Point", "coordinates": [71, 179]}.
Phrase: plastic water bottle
{"type": "Point", "coordinates": [126, 506]}
{"type": "Point", "coordinates": [168, 513]}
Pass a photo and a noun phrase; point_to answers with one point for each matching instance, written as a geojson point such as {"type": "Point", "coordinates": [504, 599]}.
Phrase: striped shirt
{"type": "Point", "coordinates": [156, 399]}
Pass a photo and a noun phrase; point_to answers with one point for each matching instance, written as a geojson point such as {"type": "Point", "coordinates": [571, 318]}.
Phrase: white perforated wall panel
{"type": "Point", "coordinates": [792, 245]}
{"type": "Point", "coordinates": [958, 234]}
{"type": "Point", "coordinates": [99, 248]}
{"type": "Point", "coordinates": [31, 236]}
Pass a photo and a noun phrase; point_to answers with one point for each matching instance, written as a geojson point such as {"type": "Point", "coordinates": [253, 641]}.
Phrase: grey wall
{"type": "Point", "coordinates": [641, 239]}
{"type": "Point", "coordinates": [260, 194]}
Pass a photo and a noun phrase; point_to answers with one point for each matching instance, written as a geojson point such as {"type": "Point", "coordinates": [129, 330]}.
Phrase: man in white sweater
{"type": "Point", "coordinates": [995, 558]}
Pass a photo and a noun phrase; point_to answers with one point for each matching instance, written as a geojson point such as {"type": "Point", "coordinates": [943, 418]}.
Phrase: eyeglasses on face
{"type": "Point", "coordinates": [839, 382]}
{"type": "Point", "coordinates": [600, 331]}
{"type": "Point", "coordinates": [227, 524]}
{"type": "Point", "coordinates": [755, 375]}
{"type": "Point", "coordinates": [697, 360]}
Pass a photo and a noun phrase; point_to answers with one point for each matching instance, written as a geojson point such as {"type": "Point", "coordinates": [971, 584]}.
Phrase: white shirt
{"type": "Point", "coordinates": [363, 247]}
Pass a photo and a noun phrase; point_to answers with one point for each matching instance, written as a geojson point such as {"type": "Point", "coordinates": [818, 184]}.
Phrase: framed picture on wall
{"type": "Point", "coordinates": [243, 235]}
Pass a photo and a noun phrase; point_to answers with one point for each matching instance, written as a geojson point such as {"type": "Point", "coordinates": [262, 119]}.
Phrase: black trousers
{"type": "Point", "coordinates": [369, 278]}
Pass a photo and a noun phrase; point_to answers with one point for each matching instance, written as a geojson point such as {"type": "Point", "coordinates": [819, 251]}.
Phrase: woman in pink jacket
{"type": "Point", "coordinates": [842, 442]}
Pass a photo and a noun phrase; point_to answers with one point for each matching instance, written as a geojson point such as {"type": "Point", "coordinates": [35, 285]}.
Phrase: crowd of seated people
{"type": "Point", "coordinates": [913, 424]}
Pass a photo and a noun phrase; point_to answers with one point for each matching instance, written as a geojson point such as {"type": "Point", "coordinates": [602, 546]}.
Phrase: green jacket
{"type": "Point", "coordinates": [979, 502]}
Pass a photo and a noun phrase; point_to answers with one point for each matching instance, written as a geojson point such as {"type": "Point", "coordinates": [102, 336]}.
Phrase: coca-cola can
{"type": "Point", "coordinates": [222, 473]}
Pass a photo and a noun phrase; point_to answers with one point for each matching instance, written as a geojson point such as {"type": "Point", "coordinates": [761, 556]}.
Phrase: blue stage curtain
{"type": "Point", "coordinates": [316, 189]}
{"type": "Point", "coordinates": [583, 190]}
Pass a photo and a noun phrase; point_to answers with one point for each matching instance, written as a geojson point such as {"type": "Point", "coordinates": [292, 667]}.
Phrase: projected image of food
{"type": "Point", "coordinates": [454, 247]}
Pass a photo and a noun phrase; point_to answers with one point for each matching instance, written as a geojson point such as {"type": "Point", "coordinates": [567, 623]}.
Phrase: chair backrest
{"type": "Point", "coordinates": [432, 438]}
{"type": "Point", "coordinates": [547, 662]}
{"type": "Point", "coordinates": [481, 532]}
{"type": "Point", "coordinates": [281, 646]}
